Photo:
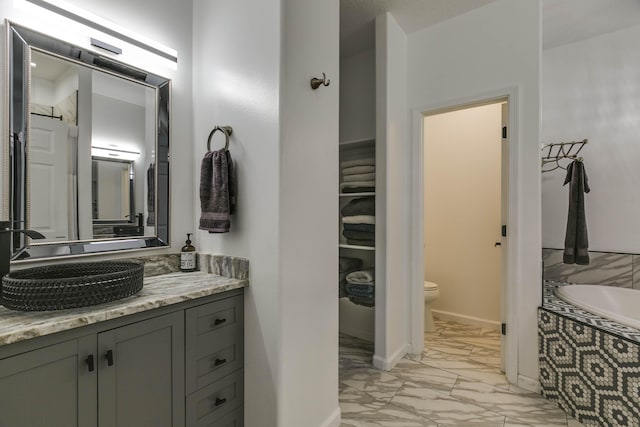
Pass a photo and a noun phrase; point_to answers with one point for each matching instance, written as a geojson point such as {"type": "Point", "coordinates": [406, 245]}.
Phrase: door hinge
{"type": "Point", "coordinates": [503, 329]}
{"type": "Point", "coordinates": [504, 231]}
{"type": "Point", "coordinates": [504, 132]}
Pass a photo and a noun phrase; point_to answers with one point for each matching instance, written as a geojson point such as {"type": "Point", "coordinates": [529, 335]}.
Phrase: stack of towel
{"type": "Point", "coordinates": [359, 221]}
{"type": "Point", "coordinates": [346, 266]}
{"type": "Point", "coordinates": [359, 176]}
{"type": "Point", "coordinates": [361, 287]}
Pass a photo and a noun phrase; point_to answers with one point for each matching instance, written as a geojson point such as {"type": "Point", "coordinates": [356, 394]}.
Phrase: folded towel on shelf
{"type": "Point", "coordinates": [359, 219]}
{"type": "Point", "coordinates": [370, 228]}
{"type": "Point", "coordinates": [362, 277]}
{"type": "Point", "coordinates": [359, 177]}
{"type": "Point", "coordinates": [356, 170]}
{"type": "Point", "coordinates": [348, 264]}
{"type": "Point", "coordinates": [358, 162]}
{"type": "Point", "coordinates": [359, 242]}
{"type": "Point", "coordinates": [359, 190]}
{"type": "Point", "coordinates": [360, 235]}
{"type": "Point", "coordinates": [217, 191]}
{"type": "Point", "coordinates": [360, 290]}
{"type": "Point", "coordinates": [355, 184]}
{"type": "Point", "coordinates": [364, 301]}
{"type": "Point", "coordinates": [360, 206]}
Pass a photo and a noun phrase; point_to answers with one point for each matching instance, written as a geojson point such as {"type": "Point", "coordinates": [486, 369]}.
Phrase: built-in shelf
{"type": "Point", "coordinates": [362, 248]}
{"type": "Point", "coordinates": [356, 194]}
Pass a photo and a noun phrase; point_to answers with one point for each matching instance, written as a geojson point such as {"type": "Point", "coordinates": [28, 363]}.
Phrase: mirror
{"type": "Point", "coordinates": [88, 148]}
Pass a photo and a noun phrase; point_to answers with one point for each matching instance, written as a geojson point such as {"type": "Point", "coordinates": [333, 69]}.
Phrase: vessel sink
{"type": "Point", "coordinates": [62, 286]}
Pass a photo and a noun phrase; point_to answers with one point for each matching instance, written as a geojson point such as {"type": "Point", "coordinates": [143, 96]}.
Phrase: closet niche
{"type": "Point", "coordinates": [357, 197]}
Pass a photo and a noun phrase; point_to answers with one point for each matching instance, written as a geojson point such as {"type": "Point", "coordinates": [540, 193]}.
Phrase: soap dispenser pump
{"type": "Point", "coordinates": [188, 256]}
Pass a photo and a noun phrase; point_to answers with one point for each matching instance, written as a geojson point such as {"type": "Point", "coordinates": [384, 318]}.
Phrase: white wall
{"type": "Point", "coordinates": [255, 59]}
{"type": "Point", "coordinates": [358, 96]}
{"type": "Point", "coordinates": [590, 89]}
{"type": "Point", "coordinates": [392, 201]}
{"type": "Point", "coordinates": [462, 177]}
{"type": "Point", "coordinates": [237, 83]}
{"type": "Point", "coordinates": [308, 207]}
{"type": "Point", "coordinates": [489, 49]}
{"type": "Point", "coordinates": [167, 22]}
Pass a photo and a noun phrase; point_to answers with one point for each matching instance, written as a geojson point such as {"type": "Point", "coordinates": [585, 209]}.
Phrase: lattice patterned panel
{"type": "Point", "coordinates": [593, 375]}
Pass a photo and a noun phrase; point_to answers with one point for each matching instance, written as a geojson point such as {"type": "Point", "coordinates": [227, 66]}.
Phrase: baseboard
{"type": "Point", "coordinates": [528, 383]}
{"type": "Point", "coordinates": [467, 320]}
{"type": "Point", "coordinates": [334, 419]}
{"type": "Point", "coordinates": [388, 363]}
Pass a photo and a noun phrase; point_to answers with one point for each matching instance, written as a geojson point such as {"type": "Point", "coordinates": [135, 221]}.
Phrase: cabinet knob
{"type": "Point", "coordinates": [90, 363]}
{"type": "Point", "coordinates": [220, 401]}
{"type": "Point", "coordinates": [219, 362]}
{"type": "Point", "coordinates": [109, 356]}
{"type": "Point", "coordinates": [218, 322]}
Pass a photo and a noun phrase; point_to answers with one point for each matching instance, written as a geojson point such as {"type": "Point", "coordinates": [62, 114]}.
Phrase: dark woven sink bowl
{"type": "Point", "coordinates": [61, 286]}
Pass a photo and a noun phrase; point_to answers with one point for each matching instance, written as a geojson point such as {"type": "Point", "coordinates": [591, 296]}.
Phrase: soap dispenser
{"type": "Point", "coordinates": [188, 256]}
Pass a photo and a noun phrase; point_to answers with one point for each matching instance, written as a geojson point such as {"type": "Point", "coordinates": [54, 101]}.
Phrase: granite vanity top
{"type": "Point", "coordinates": [158, 291]}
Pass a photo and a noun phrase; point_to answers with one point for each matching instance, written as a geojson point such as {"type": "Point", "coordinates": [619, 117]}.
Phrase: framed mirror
{"type": "Point", "coordinates": [88, 150]}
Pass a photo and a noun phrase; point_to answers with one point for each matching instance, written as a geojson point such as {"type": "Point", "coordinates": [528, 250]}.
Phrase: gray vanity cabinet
{"type": "Point", "coordinates": [140, 371]}
{"type": "Point", "coordinates": [50, 386]}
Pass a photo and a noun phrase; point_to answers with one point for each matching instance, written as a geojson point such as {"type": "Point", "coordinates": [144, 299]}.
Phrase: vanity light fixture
{"type": "Point", "coordinates": [114, 153]}
{"type": "Point", "coordinates": [81, 26]}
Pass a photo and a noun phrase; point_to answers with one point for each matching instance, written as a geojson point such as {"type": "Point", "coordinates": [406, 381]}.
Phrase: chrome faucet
{"type": "Point", "coordinates": [6, 231]}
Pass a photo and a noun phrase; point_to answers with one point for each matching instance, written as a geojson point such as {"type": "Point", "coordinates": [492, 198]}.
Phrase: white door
{"type": "Point", "coordinates": [47, 171]}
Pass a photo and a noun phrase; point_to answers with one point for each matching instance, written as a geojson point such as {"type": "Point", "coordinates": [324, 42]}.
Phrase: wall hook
{"type": "Point", "coordinates": [316, 82]}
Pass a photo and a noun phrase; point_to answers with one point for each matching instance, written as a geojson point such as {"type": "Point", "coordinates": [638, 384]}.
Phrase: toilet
{"type": "Point", "coordinates": [431, 293]}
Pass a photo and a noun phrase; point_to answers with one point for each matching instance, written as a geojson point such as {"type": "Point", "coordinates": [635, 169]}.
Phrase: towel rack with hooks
{"type": "Point", "coordinates": [227, 130]}
{"type": "Point", "coordinates": [554, 152]}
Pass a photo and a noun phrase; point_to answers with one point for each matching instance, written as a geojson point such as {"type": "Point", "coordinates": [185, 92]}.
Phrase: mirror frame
{"type": "Point", "coordinates": [20, 41]}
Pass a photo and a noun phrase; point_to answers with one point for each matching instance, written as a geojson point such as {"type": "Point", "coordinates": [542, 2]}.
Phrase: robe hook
{"type": "Point", "coordinates": [316, 82]}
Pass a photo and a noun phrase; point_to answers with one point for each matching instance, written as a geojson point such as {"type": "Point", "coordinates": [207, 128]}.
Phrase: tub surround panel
{"type": "Point", "coordinates": [636, 271]}
{"type": "Point", "coordinates": [554, 304]}
{"type": "Point", "coordinates": [222, 265]}
{"type": "Point", "coordinates": [605, 268]}
{"type": "Point", "coordinates": [591, 374]}
{"type": "Point", "coordinates": [158, 291]}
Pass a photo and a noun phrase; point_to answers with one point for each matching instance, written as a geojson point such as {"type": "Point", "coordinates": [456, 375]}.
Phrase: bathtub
{"type": "Point", "coordinates": [619, 304]}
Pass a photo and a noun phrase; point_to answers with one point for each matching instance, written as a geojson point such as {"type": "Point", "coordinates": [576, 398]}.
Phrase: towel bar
{"type": "Point", "coordinates": [227, 130]}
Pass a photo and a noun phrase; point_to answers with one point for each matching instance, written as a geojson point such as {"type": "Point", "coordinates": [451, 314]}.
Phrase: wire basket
{"type": "Point", "coordinates": [62, 286]}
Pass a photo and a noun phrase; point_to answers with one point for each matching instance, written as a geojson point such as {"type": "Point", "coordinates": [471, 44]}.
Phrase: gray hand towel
{"type": "Point", "coordinates": [576, 243]}
{"type": "Point", "coordinates": [217, 191]}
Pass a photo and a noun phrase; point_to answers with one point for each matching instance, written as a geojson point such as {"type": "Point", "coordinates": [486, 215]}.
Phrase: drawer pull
{"type": "Point", "coordinates": [219, 362]}
{"type": "Point", "coordinates": [109, 356]}
{"type": "Point", "coordinates": [218, 322]}
{"type": "Point", "coordinates": [90, 363]}
{"type": "Point", "coordinates": [220, 401]}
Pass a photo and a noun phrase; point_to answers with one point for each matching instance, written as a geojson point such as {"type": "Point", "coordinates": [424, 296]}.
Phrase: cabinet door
{"type": "Point", "coordinates": [141, 374]}
{"type": "Point", "coordinates": [51, 386]}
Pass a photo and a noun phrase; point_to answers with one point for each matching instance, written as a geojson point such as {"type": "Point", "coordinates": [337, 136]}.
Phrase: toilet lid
{"type": "Point", "coordinates": [430, 285]}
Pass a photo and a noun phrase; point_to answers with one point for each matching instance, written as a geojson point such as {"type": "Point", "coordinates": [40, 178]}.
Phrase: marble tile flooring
{"type": "Point", "coordinates": [456, 382]}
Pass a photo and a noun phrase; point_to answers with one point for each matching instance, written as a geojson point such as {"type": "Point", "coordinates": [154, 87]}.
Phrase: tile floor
{"type": "Point", "coordinates": [456, 382]}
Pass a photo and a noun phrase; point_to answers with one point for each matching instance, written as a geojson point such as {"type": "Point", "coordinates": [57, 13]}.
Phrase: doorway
{"type": "Point", "coordinates": [462, 203]}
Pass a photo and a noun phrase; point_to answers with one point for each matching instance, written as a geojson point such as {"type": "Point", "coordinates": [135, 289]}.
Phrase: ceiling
{"type": "Point", "coordinates": [564, 21]}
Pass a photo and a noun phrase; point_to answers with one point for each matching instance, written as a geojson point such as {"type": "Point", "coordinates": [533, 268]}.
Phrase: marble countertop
{"type": "Point", "coordinates": [158, 291]}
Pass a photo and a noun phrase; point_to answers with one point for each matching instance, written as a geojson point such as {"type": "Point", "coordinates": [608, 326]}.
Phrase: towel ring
{"type": "Point", "coordinates": [227, 130]}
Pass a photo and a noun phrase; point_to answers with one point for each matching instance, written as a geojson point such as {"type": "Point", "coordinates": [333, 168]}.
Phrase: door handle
{"type": "Point", "coordinates": [497, 244]}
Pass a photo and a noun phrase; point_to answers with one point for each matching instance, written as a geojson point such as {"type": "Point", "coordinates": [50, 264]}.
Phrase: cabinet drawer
{"type": "Point", "coordinates": [234, 419]}
{"type": "Point", "coordinates": [214, 342]}
{"type": "Point", "coordinates": [213, 403]}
